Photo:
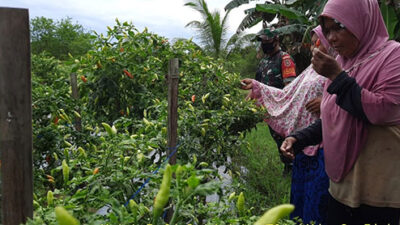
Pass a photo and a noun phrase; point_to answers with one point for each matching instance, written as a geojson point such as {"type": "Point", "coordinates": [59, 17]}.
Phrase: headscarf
{"type": "Point", "coordinates": [286, 107]}
{"type": "Point", "coordinates": [376, 68]}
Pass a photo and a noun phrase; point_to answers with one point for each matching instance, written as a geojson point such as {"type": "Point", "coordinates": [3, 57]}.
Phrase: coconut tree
{"type": "Point", "coordinates": [212, 28]}
{"type": "Point", "coordinates": [212, 31]}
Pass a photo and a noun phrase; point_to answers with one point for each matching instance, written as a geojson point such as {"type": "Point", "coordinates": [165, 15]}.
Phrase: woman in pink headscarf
{"type": "Point", "coordinates": [292, 108]}
{"type": "Point", "coordinates": [360, 115]}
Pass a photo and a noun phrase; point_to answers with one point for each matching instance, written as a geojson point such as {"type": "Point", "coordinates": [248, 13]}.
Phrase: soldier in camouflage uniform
{"type": "Point", "coordinates": [276, 69]}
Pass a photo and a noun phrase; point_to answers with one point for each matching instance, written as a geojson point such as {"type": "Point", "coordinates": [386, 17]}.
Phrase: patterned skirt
{"type": "Point", "coordinates": [309, 191]}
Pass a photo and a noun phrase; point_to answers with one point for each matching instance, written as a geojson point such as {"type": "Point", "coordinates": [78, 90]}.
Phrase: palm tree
{"type": "Point", "coordinates": [212, 29]}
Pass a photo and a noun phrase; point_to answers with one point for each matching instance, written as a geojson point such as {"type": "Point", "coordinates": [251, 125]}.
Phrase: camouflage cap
{"type": "Point", "coordinates": [266, 34]}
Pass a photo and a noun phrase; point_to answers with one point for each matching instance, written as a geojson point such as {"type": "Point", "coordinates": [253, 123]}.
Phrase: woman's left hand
{"type": "Point", "coordinates": [325, 65]}
{"type": "Point", "coordinates": [287, 147]}
{"type": "Point", "coordinates": [248, 84]}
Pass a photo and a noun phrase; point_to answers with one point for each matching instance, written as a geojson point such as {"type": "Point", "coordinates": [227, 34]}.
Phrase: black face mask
{"type": "Point", "coordinates": [268, 48]}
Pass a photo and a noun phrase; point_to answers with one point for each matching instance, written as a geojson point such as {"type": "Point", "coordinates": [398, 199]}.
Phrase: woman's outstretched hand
{"type": "Point", "coordinates": [246, 84]}
{"type": "Point", "coordinates": [325, 64]}
{"type": "Point", "coordinates": [287, 147]}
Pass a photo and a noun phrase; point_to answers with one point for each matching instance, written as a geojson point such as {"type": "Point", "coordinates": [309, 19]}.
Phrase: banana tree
{"type": "Point", "coordinates": [295, 20]}
{"type": "Point", "coordinates": [252, 17]}
{"type": "Point", "coordinates": [391, 15]}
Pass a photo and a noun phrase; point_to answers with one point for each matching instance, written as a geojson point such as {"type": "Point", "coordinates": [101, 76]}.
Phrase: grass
{"type": "Point", "coordinates": [264, 182]}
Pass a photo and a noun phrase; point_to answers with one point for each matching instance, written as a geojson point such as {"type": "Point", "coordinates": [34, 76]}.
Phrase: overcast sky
{"type": "Point", "coordinates": [164, 17]}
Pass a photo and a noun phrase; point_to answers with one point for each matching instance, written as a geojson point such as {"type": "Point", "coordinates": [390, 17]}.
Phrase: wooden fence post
{"type": "Point", "coordinates": [15, 116]}
{"type": "Point", "coordinates": [75, 96]}
{"type": "Point", "coordinates": [173, 78]}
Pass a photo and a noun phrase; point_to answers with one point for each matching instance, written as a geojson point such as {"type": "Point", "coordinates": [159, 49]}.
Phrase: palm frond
{"type": "Point", "coordinates": [194, 24]}
{"type": "Point", "coordinates": [212, 29]}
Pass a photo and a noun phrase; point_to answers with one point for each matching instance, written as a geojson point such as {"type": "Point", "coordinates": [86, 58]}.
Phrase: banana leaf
{"type": "Point", "coordinates": [283, 10]}
{"type": "Point", "coordinates": [249, 21]}
{"type": "Point", "coordinates": [235, 3]}
{"type": "Point", "coordinates": [292, 28]}
{"type": "Point", "coordinates": [390, 19]}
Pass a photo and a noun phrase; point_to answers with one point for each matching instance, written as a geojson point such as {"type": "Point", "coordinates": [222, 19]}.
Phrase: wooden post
{"type": "Point", "coordinates": [173, 78]}
{"type": "Point", "coordinates": [15, 116]}
{"type": "Point", "coordinates": [75, 95]}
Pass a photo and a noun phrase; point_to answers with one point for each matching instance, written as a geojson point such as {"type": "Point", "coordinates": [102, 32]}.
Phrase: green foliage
{"type": "Point", "coordinates": [125, 73]}
{"type": "Point", "coordinates": [243, 62]}
{"type": "Point", "coordinates": [265, 185]}
{"type": "Point", "coordinates": [58, 38]}
{"type": "Point", "coordinates": [50, 93]}
{"type": "Point", "coordinates": [391, 16]}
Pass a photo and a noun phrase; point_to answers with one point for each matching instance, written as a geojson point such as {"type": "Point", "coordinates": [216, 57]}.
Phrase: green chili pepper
{"type": "Point", "coordinates": [50, 198]}
{"type": "Point", "coordinates": [203, 99]}
{"type": "Point", "coordinates": [110, 130]}
{"type": "Point", "coordinates": [82, 152]}
{"type": "Point", "coordinates": [274, 214]}
{"type": "Point", "coordinates": [203, 164]}
{"type": "Point", "coordinates": [77, 114]}
{"type": "Point", "coordinates": [66, 153]}
{"type": "Point", "coordinates": [178, 172]}
{"type": "Point", "coordinates": [163, 194]}
{"type": "Point", "coordinates": [231, 196]}
{"type": "Point", "coordinates": [134, 208]}
{"type": "Point", "coordinates": [65, 169]}
{"type": "Point", "coordinates": [240, 204]}
{"type": "Point", "coordinates": [55, 156]}
{"type": "Point", "coordinates": [67, 143]}
{"type": "Point", "coordinates": [35, 204]}
{"type": "Point", "coordinates": [64, 218]}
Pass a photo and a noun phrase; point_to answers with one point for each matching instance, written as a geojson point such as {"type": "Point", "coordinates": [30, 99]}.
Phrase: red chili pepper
{"type": "Point", "coordinates": [83, 78]}
{"type": "Point", "coordinates": [318, 43]}
{"type": "Point", "coordinates": [95, 171]}
{"type": "Point", "coordinates": [55, 120]}
{"type": "Point", "coordinates": [193, 98]}
{"type": "Point", "coordinates": [128, 74]}
{"type": "Point", "coordinates": [121, 49]}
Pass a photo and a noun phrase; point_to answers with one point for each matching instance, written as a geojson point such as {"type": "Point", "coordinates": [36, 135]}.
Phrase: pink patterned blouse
{"type": "Point", "coordinates": [286, 107]}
